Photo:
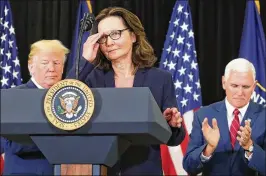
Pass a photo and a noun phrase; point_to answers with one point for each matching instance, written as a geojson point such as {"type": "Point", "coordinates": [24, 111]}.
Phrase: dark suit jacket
{"type": "Point", "coordinates": [225, 160]}
{"type": "Point", "coordinates": [24, 159]}
{"type": "Point", "coordinates": [140, 159]}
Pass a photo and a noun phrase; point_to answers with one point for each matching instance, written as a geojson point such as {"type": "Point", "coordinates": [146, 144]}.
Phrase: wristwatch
{"type": "Point", "coordinates": [250, 149]}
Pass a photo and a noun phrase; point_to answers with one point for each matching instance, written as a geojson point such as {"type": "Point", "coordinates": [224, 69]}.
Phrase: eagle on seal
{"type": "Point", "coordinates": [69, 105]}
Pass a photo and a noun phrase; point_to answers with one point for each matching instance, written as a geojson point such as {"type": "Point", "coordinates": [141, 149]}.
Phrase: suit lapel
{"type": "Point", "coordinates": [30, 84]}
{"type": "Point", "coordinates": [139, 78]}
{"type": "Point", "coordinates": [223, 125]}
{"type": "Point", "coordinates": [250, 114]}
{"type": "Point", "coordinates": [109, 80]}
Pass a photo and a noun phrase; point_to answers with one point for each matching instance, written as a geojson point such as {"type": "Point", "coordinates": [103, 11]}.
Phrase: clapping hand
{"type": "Point", "coordinates": [211, 135]}
{"type": "Point", "coordinates": [244, 135]}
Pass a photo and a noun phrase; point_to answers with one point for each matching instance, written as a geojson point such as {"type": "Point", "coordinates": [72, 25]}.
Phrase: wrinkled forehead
{"type": "Point", "coordinates": [109, 24]}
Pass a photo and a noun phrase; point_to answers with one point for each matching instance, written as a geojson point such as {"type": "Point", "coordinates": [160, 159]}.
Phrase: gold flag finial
{"type": "Point", "coordinates": [89, 5]}
{"type": "Point", "coordinates": [257, 2]}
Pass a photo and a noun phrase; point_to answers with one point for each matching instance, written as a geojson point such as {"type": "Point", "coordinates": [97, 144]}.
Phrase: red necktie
{"type": "Point", "coordinates": [234, 127]}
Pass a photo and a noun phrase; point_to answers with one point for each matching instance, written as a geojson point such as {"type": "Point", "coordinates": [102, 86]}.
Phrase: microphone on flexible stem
{"type": "Point", "coordinates": [86, 24]}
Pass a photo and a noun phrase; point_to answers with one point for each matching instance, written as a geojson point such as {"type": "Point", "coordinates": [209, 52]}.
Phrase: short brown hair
{"type": "Point", "coordinates": [142, 53]}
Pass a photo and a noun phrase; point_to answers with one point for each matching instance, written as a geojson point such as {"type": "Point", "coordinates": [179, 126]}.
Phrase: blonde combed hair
{"type": "Point", "coordinates": [47, 46]}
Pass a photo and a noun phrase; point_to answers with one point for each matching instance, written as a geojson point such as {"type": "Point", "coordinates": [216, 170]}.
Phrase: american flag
{"type": "Point", "coordinates": [179, 57]}
{"type": "Point", "coordinates": [9, 63]}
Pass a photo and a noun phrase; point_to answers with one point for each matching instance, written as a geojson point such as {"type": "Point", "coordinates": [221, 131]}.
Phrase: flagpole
{"type": "Point", "coordinates": [86, 25]}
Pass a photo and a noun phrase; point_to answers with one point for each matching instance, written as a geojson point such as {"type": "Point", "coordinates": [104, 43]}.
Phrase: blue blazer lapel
{"type": "Point", "coordinates": [223, 125]}
{"type": "Point", "coordinates": [109, 80]}
{"type": "Point", "coordinates": [139, 78]}
{"type": "Point", "coordinates": [250, 114]}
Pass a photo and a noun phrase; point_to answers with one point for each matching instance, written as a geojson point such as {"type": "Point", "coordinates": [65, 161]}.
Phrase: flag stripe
{"type": "Point", "coordinates": [184, 144]}
{"type": "Point", "coordinates": [167, 164]}
{"type": "Point", "coordinates": [177, 158]}
{"type": "Point", "coordinates": [1, 165]}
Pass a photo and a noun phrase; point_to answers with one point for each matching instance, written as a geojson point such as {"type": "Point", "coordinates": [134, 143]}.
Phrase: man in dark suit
{"type": "Point", "coordinates": [235, 142]}
{"type": "Point", "coordinates": [46, 64]}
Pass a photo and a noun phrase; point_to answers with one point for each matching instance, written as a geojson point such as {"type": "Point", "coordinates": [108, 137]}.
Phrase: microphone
{"type": "Point", "coordinates": [86, 24]}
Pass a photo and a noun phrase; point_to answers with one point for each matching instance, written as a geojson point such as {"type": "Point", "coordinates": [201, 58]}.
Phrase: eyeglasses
{"type": "Point", "coordinates": [114, 35]}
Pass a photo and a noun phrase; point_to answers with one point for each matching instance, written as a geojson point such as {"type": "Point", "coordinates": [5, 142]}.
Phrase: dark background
{"type": "Point", "coordinates": [217, 28]}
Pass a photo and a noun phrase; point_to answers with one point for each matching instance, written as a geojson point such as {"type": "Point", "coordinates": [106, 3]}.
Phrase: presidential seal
{"type": "Point", "coordinates": [69, 104]}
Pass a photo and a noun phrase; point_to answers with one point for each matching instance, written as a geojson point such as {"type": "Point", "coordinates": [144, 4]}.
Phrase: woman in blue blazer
{"type": "Point", "coordinates": [122, 57]}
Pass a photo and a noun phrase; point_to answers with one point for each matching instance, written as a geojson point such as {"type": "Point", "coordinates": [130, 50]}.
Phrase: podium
{"type": "Point", "coordinates": [121, 117]}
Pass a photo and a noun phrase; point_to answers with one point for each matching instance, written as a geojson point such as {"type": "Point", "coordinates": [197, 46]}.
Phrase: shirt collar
{"type": "Point", "coordinates": [230, 108]}
{"type": "Point", "coordinates": [35, 82]}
